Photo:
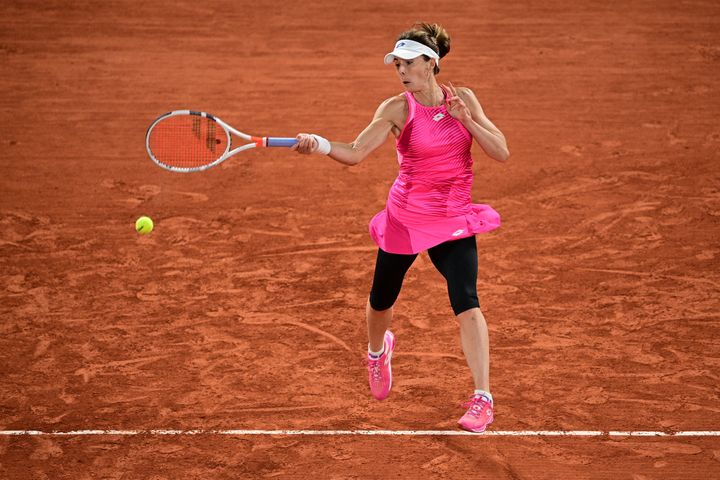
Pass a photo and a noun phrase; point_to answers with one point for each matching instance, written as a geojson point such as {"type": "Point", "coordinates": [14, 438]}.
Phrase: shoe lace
{"type": "Point", "coordinates": [476, 405]}
{"type": "Point", "coordinates": [375, 367]}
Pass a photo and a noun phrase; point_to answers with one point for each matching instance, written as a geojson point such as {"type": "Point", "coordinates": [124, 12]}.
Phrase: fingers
{"type": "Point", "coordinates": [306, 143]}
{"type": "Point", "coordinates": [453, 103]}
{"type": "Point", "coordinates": [449, 102]}
{"type": "Point", "coordinates": [448, 94]}
{"type": "Point", "coordinates": [449, 97]}
{"type": "Point", "coordinates": [452, 98]}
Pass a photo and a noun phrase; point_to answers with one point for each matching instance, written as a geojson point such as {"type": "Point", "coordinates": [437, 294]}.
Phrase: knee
{"type": "Point", "coordinates": [463, 299]}
{"type": "Point", "coordinates": [380, 303]}
{"type": "Point", "coordinates": [465, 306]}
{"type": "Point", "coordinates": [472, 314]}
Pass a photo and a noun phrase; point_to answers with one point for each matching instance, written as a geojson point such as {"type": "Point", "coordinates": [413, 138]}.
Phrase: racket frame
{"type": "Point", "coordinates": [254, 141]}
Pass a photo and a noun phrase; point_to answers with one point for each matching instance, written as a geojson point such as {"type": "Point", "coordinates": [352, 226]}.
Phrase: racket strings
{"type": "Point", "coordinates": [187, 141]}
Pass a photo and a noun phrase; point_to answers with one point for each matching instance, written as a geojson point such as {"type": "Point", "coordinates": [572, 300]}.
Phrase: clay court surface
{"type": "Point", "coordinates": [244, 309]}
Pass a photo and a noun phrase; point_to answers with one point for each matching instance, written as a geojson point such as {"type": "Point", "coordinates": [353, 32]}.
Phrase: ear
{"type": "Point", "coordinates": [431, 65]}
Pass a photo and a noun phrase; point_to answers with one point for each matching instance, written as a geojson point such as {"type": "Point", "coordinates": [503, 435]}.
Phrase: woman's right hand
{"type": "Point", "coordinates": [306, 144]}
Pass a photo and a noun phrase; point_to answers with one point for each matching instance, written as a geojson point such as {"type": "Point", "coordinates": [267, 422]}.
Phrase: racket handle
{"type": "Point", "coordinates": [281, 142]}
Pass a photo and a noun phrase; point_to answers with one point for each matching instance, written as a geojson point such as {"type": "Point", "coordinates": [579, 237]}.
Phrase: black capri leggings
{"type": "Point", "coordinates": [456, 260]}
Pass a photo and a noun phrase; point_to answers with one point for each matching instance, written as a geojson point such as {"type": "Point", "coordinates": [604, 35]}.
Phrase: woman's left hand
{"type": "Point", "coordinates": [455, 105]}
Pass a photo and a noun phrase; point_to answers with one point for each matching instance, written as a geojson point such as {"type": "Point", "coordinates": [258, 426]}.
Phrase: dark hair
{"type": "Point", "coordinates": [431, 35]}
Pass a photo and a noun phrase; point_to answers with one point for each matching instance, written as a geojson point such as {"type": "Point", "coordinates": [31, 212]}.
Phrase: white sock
{"type": "Point", "coordinates": [376, 354]}
{"type": "Point", "coordinates": [483, 392]}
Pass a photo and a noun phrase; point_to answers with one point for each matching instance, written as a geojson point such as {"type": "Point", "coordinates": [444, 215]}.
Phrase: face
{"type": "Point", "coordinates": [414, 73]}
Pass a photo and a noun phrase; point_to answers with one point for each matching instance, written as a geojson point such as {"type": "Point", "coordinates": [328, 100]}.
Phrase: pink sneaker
{"type": "Point", "coordinates": [479, 414]}
{"type": "Point", "coordinates": [380, 370]}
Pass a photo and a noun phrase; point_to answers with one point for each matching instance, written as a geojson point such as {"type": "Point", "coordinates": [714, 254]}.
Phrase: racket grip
{"type": "Point", "coordinates": [281, 142]}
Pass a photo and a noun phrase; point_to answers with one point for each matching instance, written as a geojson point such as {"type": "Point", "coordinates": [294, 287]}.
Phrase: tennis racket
{"type": "Point", "coordinates": [189, 141]}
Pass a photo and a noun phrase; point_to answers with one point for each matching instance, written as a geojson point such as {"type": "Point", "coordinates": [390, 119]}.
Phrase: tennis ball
{"type": "Point", "coordinates": [144, 225]}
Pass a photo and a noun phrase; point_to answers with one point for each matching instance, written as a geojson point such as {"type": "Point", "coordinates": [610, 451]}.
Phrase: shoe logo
{"type": "Point", "coordinates": [439, 117]}
{"type": "Point", "coordinates": [458, 232]}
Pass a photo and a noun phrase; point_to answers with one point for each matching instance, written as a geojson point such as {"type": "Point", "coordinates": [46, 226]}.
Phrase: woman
{"type": "Point", "coordinates": [429, 206]}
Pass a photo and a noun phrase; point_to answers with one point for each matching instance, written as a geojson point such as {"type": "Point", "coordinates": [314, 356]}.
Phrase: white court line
{"type": "Point", "coordinates": [492, 433]}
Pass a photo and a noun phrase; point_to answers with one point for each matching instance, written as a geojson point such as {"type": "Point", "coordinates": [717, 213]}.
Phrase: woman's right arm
{"type": "Point", "coordinates": [386, 117]}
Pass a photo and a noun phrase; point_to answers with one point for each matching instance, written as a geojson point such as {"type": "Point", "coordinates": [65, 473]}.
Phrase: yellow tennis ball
{"type": "Point", "coordinates": [144, 225]}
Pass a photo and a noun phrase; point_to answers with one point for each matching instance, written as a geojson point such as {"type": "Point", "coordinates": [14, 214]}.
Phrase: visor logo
{"type": "Point", "coordinates": [400, 44]}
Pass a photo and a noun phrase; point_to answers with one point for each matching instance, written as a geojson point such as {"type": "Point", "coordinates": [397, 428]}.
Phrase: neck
{"type": "Point", "coordinates": [431, 95]}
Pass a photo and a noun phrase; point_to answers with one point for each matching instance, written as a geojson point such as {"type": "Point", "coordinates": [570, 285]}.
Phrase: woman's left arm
{"type": "Point", "coordinates": [462, 104]}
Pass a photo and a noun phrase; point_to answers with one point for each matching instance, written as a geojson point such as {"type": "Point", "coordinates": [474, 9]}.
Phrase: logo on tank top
{"type": "Point", "coordinates": [457, 232]}
{"type": "Point", "coordinates": [438, 117]}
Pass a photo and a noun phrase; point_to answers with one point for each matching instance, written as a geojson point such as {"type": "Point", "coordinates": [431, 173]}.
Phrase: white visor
{"type": "Point", "coordinates": [409, 49]}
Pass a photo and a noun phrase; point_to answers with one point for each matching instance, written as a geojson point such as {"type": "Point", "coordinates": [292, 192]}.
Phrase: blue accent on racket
{"type": "Point", "coordinates": [281, 142]}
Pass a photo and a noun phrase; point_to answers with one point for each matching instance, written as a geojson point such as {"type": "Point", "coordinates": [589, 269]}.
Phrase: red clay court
{"type": "Point", "coordinates": [244, 309]}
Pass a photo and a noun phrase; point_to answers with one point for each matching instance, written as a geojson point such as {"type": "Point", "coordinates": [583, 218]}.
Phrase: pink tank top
{"type": "Point", "coordinates": [430, 201]}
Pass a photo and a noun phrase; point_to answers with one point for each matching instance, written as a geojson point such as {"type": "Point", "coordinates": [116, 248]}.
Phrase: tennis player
{"type": "Point", "coordinates": [429, 205]}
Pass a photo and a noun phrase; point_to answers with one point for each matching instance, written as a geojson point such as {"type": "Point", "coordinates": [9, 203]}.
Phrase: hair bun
{"type": "Point", "coordinates": [438, 34]}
